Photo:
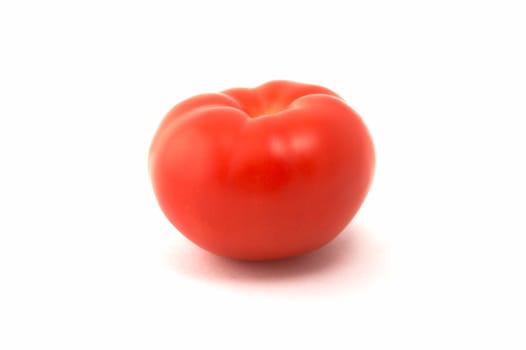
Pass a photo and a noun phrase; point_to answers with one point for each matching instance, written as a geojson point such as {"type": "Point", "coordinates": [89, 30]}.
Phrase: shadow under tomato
{"type": "Point", "coordinates": [350, 257]}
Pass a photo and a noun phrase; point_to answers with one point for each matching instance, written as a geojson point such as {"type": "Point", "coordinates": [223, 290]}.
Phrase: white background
{"type": "Point", "coordinates": [434, 260]}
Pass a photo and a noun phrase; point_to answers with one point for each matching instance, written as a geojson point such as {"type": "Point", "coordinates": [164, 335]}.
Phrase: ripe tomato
{"type": "Point", "coordinates": [263, 173]}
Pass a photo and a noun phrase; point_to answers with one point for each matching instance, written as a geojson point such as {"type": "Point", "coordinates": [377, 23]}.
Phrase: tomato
{"type": "Point", "coordinates": [262, 173]}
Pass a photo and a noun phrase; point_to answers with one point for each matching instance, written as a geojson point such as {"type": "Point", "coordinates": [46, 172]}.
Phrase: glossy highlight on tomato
{"type": "Point", "coordinates": [262, 173]}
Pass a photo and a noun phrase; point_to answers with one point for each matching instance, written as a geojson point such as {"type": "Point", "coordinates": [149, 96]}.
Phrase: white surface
{"type": "Point", "coordinates": [434, 260]}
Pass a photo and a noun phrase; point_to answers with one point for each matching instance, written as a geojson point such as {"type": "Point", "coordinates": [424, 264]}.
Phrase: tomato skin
{"type": "Point", "coordinates": [264, 173]}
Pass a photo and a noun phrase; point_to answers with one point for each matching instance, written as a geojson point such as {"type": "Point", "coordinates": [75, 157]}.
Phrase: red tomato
{"type": "Point", "coordinates": [263, 173]}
